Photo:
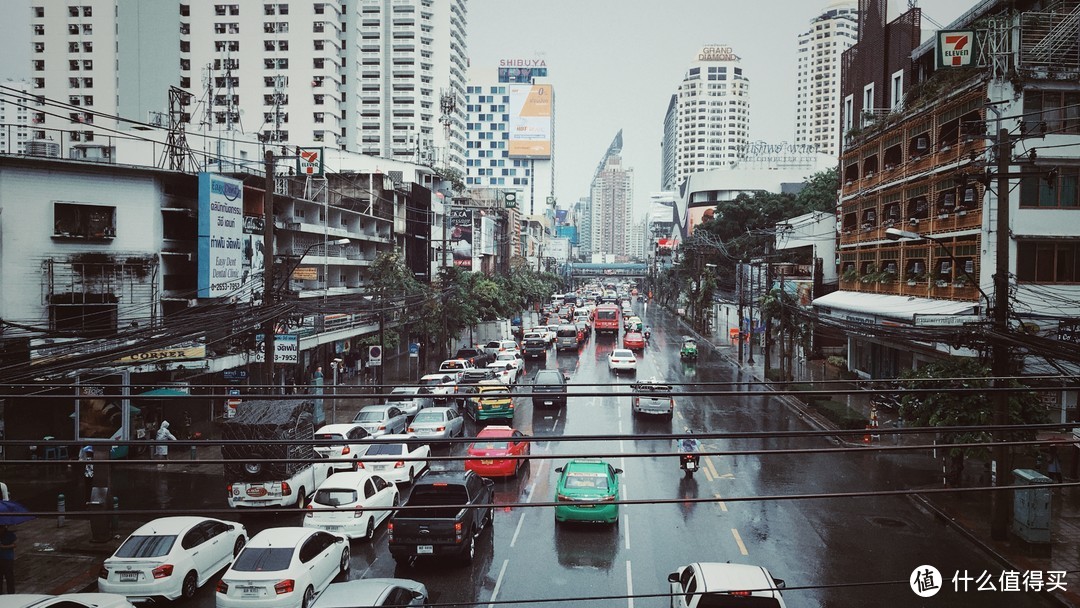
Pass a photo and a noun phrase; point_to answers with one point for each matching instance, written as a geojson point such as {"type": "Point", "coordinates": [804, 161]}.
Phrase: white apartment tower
{"type": "Point", "coordinates": [381, 77]}
{"type": "Point", "coordinates": [14, 116]}
{"type": "Point", "coordinates": [712, 113]}
{"type": "Point", "coordinates": [612, 208]}
{"type": "Point", "coordinates": [817, 92]}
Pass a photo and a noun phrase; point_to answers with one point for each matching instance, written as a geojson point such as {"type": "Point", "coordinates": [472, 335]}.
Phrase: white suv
{"type": "Point", "coordinates": [711, 583]}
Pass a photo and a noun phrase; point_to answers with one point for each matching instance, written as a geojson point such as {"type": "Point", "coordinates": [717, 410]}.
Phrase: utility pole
{"type": "Point", "coordinates": [739, 296]}
{"type": "Point", "coordinates": [268, 269]}
{"type": "Point", "coordinates": [750, 331]}
{"type": "Point", "coordinates": [768, 320]}
{"type": "Point", "coordinates": [999, 512]}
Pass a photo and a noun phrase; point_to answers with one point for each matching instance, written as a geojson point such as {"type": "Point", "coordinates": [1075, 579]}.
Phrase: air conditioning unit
{"type": "Point", "coordinates": [948, 199]}
{"type": "Point", "coordinates": [969, 195]}
{"type": "Point", "coordinates": [922, 143]}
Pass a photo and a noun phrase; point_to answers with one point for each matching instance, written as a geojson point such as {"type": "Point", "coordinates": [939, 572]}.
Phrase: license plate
{"type": "Point", "coordinates": [487, 462]}
{"type": "Point", "coordinates": [332, 528]}
{"type": "Point", "coordinates": [129, 576]}
{"type": "Point", "coordinates": [380, 467]}
{"type": "Point", "coordinates": [586, 506]}
{"type": "Point", "coordinates": [549, 402]}
{"type": "Point", "coordinates": [425, 549]}
{"type": "Point", "coordinates": [249, 591]}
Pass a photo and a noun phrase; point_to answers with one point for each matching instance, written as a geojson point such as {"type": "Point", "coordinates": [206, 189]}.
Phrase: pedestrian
{"type": "Point", "coordinates": [161, 450]}
{"type": "Point", "coordinates": [317, 377]}
{"type": "Point", "coordinates": [7, 560]}
{"type": "Point", "coordinates": [1053, 467]}
{"type": "Point", "coordinates": [87, 456]}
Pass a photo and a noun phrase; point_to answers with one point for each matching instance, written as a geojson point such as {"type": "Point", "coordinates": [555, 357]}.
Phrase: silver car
{"type": "Point", "coordinates": [381, 420]}
{"type": "Point", "coordinates": [373, 592]}
{"type": "Point", "coordinates": [438, 423]}
{"type": "Point", "coordinates": [411, 399]}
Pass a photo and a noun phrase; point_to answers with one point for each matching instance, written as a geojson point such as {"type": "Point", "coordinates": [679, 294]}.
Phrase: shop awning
{"type": "Point", "coordinates": [902, 308]}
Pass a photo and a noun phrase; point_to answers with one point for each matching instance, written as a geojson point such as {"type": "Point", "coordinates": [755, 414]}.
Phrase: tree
{"type": "Point", "coordinates": [820, 192]}
{"type": "Point", "coordinates": [945, 406]}
{"type": "Point", "coordinates": [394, 292]}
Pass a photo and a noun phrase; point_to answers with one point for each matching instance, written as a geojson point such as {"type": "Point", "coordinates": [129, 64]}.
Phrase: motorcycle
{"type": "Point", "coordinates": [689, 464]}
{"type": "Point", "coordinates": [648, 334]}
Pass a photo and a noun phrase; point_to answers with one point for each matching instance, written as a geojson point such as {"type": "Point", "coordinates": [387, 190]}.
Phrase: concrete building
{"type": "Point", "coordinates": [637, 243]}
{"type": "Point", "coordinates": [668, 145]}
{"type": "Point", "coordinates": [14, 116]}
{"type": "Point", "coordinates": [817, 88]}
{"type": "Point", "coordinates": [712, 114]}
{"type": "Point", "coordinates": [379, 77]}
{"type": "Point", "coordinates": [612, 207]}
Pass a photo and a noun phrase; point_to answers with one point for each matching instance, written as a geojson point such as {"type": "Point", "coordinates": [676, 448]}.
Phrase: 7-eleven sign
{"type": "Point", "coordinates": [309, 161]}
{"type": "Point", "coordinates": [955, 48]}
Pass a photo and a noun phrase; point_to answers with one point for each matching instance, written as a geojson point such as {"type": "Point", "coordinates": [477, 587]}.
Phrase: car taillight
{"type": "Point", "coordinates": [228, 490]}
{"type": "Point", "coordinates": [399, 464]}
{"type": "Point", "coordinates": [359, 465]}
{"type": "Point", "coordinates": [740, 593]}
{"type": "Point", "coordinates": [440, 429]}
{"type": "Point", "coordinates": [457, 532]}
{"type": "Point", "coordinates": [222, 587]}
{"type": "Point", "coordinates": [285, 586]}
{"type": "Point", "coordinates": [162, 571]}
{"type": "Point", "coordinates": [411, 430]}
{"type": "Point", "coordinates": [310, 511]}
{"type": "Point", "coordinates": [358, 513]}
{"type": "Point", "coordinates": [286, 490]}
{"type": "Point", "coordinates": [382, 428]}
{"type": "Point", "coordinates": [345, 450]}
{"type": "Point", "coordinates": [390, 531]}
{"type": "Point", "coordinates": [103, 573]}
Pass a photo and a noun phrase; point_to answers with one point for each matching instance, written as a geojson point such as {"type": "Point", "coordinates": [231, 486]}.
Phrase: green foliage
{"type": "Point", "coordinates": [454, 177]}
{"type": "Point", "coordinates": [837, 361]}
{"type": "Point", "coordinates": [819, 194]}
{"type": "Point", "coordinates": [945, 406]}
{"type": "Point", "coordinates": [840, 414]}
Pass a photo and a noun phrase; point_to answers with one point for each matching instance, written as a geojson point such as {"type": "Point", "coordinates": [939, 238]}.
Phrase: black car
{"type": "Point", "coordinates": [549, 388]}
{"type": "Point", "coordinates": [534, 347]}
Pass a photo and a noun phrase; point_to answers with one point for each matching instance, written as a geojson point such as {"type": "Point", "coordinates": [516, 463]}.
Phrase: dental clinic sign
{"type": "Point", "coordinates": [955, 48]}
{"type": "Point", "coordinates": [221, 235]}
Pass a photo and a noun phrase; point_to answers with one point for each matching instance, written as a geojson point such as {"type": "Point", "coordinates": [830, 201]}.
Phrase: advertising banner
{"type": "Point", "coordinates": [461, 237]}
{"type": "Point", "coordinates": [178, 352]}
{"type": "Point", "coordinates": [955, 48]}
{"type": "Point", "coordinates": [530, 120]}
{"type": "Point", "coordinates": [221, 233]}
{"type": "Point", "coordinates": [286, 348]}
{"type": "Point", "coordinates": [254, 255]}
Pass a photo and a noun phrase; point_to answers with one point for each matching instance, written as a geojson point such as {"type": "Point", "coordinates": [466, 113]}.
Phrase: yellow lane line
{"type": "Point", "coordinates": [738, 541]}
{"type": "Point", "coordinates": [708, 476]}
{"type": "Point", "coordinates": [723, 507]}
{"type": "Point", "coordinates": [709, 462]}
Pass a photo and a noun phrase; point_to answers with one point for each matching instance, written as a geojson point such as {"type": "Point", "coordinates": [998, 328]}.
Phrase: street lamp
{"type": "Point", "coordinates": [341, 241]}
{"type": "Point", "coordinates": [896, 234]}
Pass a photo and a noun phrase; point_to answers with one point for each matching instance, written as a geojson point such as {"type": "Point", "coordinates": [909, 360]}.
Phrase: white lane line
{"type": "Point", "coordinates": [738, 541]}
{"type": "Point", "coordinates": [723, 507]}
{"type": "Point", "coordinates": [498, 583]}
{"type": "Point", "coordinates": [626, 530]}
{"type": "Point", "coordinates": [629, 587]}
{"type": "Point", "coordinates": [517, 530]}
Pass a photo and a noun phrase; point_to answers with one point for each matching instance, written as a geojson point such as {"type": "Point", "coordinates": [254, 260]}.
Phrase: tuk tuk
{"type": "Point", "coordinates": [689, 349]}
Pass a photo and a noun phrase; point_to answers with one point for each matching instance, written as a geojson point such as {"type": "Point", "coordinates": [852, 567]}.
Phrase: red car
{"type": "Point", "coordinates": [493, 445]}
{"type": "Point", "coordinates": [634, 340]}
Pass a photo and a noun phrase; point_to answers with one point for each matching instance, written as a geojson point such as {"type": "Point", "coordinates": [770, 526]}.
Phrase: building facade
{"type": "Point", "coordinates": [817, 88]}
{"type": "Point", "coordinates": [611, 200]}
{"type": "Point", "coordinates": [712, 113]}
{"type": "Point", "coordinates": [14, 116]}
{"type": "Point", "coordinates": [378, 77]}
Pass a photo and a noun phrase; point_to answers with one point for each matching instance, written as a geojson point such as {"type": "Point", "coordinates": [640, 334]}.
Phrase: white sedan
{"type": "Point", "coordinates": [504, 372]}
{"type": "Point", "coordinates": [514, 359]}
{"type": "Point", "coordinates": [283, 568]}
{"type": "Point", "coordinates": [623, 360]}
{"type": "Point", "coordinates": [396, 458]}
{"type": "Point", "coordinates": [352, 503]}
{"type": "Point", "coordinates": [373, 592]}
{"type": "Point", "coordinates": [171, 557]}
{"type": "Point", "coordinates": [442, 385]}
{"type": "Point", "coordinates": [350, 435]}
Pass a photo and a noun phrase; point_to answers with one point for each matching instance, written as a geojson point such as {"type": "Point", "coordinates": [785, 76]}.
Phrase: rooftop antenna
{"type": "Point", "coordinates": [177, 149]}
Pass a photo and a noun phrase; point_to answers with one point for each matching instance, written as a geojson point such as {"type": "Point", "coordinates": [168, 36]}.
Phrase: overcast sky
{"type": "Point", "coordinates": [614, 64]}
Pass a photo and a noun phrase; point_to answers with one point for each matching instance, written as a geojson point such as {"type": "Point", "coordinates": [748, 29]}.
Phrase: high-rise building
{"type": "Point", "coordinates": [712, 114]}
{"type": "Point", "coordinates": [14, 116]}
{"type": "Point", "coordinates": [817, 89]}
{"type": "Point", "coordinates": [510, 144]}
{"type": "Point", "coordinates": [667, 146]}
{"type": "Point", "coordinates": [381, 77]}
{"type": "Point", "coordinates": [583, 217]}
{"type": "Point", "coordinates": [612, 207]}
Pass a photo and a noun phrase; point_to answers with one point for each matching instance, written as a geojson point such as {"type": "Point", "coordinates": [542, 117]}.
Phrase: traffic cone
{"type": "Point", "coordinates": [873, 426]}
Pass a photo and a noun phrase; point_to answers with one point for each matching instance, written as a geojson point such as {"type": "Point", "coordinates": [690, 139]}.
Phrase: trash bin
{"type": "Point", "coordinates": [99, 516]}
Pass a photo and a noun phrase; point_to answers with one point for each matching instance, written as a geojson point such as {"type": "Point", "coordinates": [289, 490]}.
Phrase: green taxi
{"type": "Point", "coordinates": [584, 488]}
{"type": "Point", "coordinates": [491, 401]}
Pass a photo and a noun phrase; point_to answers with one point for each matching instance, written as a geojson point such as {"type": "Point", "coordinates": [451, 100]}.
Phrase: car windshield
{"type": "Point", "coordinates": [506, 358]}
{"type": "Point", "coordinates": [426, 416]}
{"type": "Point", "coordinates": [432, 382]}
{"type": "Point", "coordinates": [548, 377]}
{"type": "Point", "coordinates": [607, 315]}
{"type": "Point", "coordinates": [403, 392]}
{"type": "Point", "coordinates": [489, 445]}
{"type": "Point", "coordinates": [385, 449]}
{"type": "Point", "coordinates": [622, 354]}
{"type": "Point", "coordinates": [335, 497]}
{"type": "Point", "coordinates": [370, 416]}
{"type": "Point", "coordinates": [586, 481]}
{"type": "Point", "coordinates": [146, 546]}
{"type": "Point", "coordinates": [263, 559]}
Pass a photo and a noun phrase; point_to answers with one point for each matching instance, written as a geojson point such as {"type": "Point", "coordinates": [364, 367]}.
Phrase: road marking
{"type": "Point", "coordinates": [738, 541]}
{"type": "Point", "coordinates": [626, 530]}
{"type": "Point", "coordinates": [629, 587]}
{"type": "Point", "coordinates": [498, 583]}
{"type": "Point", "coordinates": [723, 507]}
{"type": "Point", "coordinates": [708, 461]}
{"type": "Point", "coordinates": [517, 530]}
{"type": "Point", "coordinates": [708, 475]}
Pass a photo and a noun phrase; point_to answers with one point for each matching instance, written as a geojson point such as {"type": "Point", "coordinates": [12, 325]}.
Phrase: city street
{"type": "Point", "coordinates": [835, 552]}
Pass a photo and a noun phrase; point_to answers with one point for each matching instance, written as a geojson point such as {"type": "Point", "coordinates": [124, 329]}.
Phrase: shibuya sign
{"type": "Point", "coordinates": [717, 53]}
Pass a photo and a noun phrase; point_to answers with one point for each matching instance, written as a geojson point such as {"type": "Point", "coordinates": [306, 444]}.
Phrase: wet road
{"type": "Point", "coordinates": [831, 552]}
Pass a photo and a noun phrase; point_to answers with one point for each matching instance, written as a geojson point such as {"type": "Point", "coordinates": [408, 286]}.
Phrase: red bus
{"type": "Point", "coordinates": [606, 318]}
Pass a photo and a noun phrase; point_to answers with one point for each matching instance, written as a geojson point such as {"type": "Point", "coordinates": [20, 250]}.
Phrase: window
{"type": "Point", "coordinates": [84, 221]}
{"type": "Point", "coordinates": [897, 89]}
{"type": "Point", "coordinates": [1060, 190]}
{"type": "Point", "coordinates": [1048, 261]}
{"type": "Point", "coordinates": [1054, 111]}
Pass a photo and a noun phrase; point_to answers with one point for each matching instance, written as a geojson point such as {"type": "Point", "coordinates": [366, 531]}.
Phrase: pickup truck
{"type": "Point", "coordinates": [443, 515]}
{"type": "Point", "coordinates": [456, 367]}
{"type": "Point", "coordinates": [475, 355]}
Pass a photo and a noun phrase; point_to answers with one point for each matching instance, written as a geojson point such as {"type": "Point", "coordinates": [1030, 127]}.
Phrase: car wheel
{"type": "Point", "coordinates": [238, 546]}
{"type": "Point", "coordinates": [369, 535]}
{"type": "Point", "coordinates": [309, 597]}
{"type": "Point", "coordinates": [190, 585]}
{"type": "Point", "coordinates": [412, 476]}
{"type": "Point", "coordinates": [469, 552]}
{"type": "Point", "coordinates": [343, 567]}
{"type": "Point", "coordinates": [301, 499]}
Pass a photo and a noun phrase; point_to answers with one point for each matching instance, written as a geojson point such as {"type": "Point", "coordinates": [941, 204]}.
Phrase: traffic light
{"type": "Point", "coordinates": [510, 199]}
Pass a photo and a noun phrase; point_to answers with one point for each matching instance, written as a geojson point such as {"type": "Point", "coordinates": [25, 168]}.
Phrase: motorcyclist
{"type": "Point", "coordinates": [689, 447]}
{"type": "Point", "coordinates": [648, 331]}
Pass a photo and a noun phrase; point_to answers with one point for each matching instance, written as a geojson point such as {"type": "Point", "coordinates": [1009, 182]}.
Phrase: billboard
{"type": "Point", "coordinates": [254, 256]}
{"type": "Point", "coordinates": [697, 215]}
{"type": "Point", "coordinates": [530, 120]}
{"type": "Point", "coordinates": [221, 235]}
{"type": "Point", "coordinates": [461, 237]}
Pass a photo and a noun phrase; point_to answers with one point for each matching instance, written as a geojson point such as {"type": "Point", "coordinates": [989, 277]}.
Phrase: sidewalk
{"type": "Point", "coordinates": [967, 512]}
